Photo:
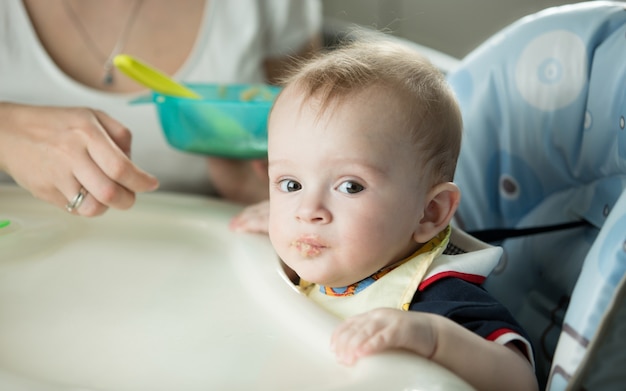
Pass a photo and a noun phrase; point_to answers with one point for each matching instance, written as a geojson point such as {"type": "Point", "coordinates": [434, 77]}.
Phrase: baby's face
{"type": "Point", "coordinates": [345, 192]}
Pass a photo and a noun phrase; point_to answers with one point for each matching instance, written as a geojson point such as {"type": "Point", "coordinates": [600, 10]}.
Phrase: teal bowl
{"type": "Point", "coordinates": [229, 121]}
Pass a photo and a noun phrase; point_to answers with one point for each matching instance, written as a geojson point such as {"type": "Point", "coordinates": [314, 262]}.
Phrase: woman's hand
{"type": "Point", "coordinates": [241, 181]}
{"type": "Point", "coordinates": [56, 152]}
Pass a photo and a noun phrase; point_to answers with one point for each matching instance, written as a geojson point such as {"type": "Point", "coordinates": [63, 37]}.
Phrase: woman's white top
{"type": "Point", "coordinates": [234, 39]}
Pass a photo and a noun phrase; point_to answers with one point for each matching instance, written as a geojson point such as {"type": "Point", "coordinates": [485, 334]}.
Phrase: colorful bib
{"type": "Point", "coordinates": [392, 287]}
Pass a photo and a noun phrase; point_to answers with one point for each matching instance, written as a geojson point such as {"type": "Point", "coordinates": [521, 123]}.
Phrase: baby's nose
{"type": "Point", "coordinates": [313, 211]}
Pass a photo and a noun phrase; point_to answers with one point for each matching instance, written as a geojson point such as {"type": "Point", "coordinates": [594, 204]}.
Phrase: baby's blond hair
{"type": "Point", "coordinates": [435, 119]}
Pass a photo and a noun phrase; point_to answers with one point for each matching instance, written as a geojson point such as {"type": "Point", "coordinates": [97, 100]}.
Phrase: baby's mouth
{"type": "Point", "coordinates": [308, 247]}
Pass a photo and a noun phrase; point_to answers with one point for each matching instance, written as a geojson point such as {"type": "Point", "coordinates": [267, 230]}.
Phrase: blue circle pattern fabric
{"type": "Point", "coordinates": [544, 108]}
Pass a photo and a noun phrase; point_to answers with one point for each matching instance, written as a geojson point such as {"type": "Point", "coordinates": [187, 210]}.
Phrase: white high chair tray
{"type": "Point", "coordinates": [165, 297]}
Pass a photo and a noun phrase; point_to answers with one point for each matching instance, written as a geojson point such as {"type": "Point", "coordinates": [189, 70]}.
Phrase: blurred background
{"type": "Point", "coordinates": [454, 27]}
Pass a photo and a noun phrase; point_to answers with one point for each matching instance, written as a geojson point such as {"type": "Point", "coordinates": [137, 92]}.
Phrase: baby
{"type": "Point", "coordinates": [362, 149]}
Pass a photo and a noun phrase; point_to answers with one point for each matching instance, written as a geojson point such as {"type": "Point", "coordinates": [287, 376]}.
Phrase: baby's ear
{"type": "Point", "coordinates": [441, 203]}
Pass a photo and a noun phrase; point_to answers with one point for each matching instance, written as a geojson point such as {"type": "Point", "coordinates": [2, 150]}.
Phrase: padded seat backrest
{"type": "Point", "coordinates": [544, 110]}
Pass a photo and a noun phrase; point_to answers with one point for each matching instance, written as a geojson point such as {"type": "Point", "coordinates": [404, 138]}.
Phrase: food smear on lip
{"type": "Point", "coordinates": [307, 248]}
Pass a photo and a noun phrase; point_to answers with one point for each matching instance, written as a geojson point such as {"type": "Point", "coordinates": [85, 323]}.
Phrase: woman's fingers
{"type": "Point", "coordinates": [241, 181]}
{"type": "Point", "coordinates": [102, 191]}
{"type": "Point", "coordinates": [110, 150]}
{"type": "Point", "coordinates": [54, 152]}
{"type": "Point", "coordinates": [121, 136]}
{"type": "Point", "coordinates": [104, 169]}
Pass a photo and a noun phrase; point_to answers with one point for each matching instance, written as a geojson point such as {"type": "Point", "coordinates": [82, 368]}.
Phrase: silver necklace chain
{"type": "Point", "coordinates": [91, 44]}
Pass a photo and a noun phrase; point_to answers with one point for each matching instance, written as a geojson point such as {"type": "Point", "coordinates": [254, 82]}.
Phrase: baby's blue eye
{"type": "Point", "coordinates": [350, 187]}
{"type": "Point", "coordinates": [289, 185]}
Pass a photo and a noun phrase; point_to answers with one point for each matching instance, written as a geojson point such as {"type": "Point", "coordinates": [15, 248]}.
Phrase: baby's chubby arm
{"type": "Point", "coordinates": [484, 364]}
{"type": "Point", "coordinates": [253, 219]}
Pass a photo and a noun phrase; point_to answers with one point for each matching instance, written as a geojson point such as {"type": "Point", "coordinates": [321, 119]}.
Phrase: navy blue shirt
{"type": "Point", "coordinates": [471, 306]}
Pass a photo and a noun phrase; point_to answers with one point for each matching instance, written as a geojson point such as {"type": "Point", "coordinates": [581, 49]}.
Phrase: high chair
{"type": "Point", "coordinates": [543, 173]}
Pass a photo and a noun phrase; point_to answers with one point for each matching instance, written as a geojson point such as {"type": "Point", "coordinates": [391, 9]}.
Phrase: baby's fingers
{"type": "Point", "coordinates": [353, 340]}
{"type": "Point", "coordinates": [368, 333]}
{"type": "Point", "coordinates": [254, 218]}
{"type": "Point", "coordinates": [344, 344]}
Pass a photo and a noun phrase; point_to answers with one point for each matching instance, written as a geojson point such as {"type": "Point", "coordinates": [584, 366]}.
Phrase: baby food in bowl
{"type": "Point", "coordinates": [228, 120]}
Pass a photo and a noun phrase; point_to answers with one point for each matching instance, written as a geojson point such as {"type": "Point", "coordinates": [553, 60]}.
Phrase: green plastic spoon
{"type": "Point", "coordinates": [152, 78]}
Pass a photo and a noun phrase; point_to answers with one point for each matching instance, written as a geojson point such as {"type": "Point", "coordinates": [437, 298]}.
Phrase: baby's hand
{"type": "Point", "coordinates": [382, 329]}
{"type": "Point", "coordinates": [254, 218]}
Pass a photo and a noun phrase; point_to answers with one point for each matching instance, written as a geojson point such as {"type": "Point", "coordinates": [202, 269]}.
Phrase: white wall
{"type": "Point", "coordinates": [454, 27]}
